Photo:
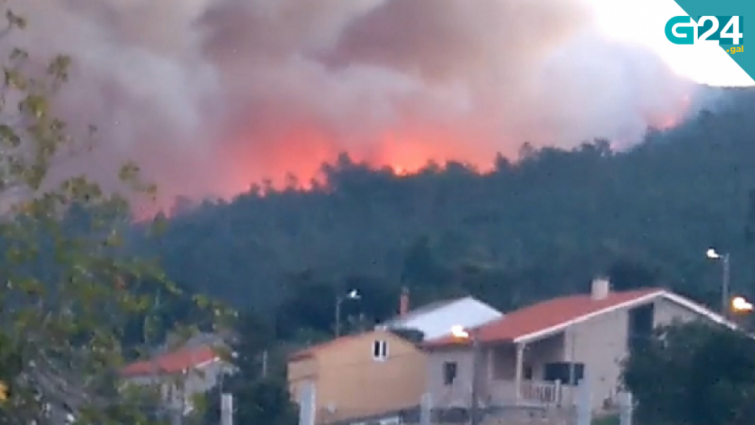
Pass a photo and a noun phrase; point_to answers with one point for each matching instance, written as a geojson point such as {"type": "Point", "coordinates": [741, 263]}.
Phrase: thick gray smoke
{"type": "Point", "coordinates": [210, 95]}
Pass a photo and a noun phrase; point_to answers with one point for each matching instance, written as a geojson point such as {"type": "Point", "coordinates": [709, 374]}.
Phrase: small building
{"type": "Point", "coordinates": [536, 355]}
{"type": "Point", "coordinates": [435, 320]}
{"type": "Point", "coordinates": [359, 375]}
{"type": "Point", "coordinates": [180, 375]}
{"type": "Point", "coordinates": [378, 373]}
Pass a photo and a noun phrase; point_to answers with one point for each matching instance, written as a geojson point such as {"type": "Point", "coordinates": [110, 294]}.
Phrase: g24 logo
{"type": "Point", "coordinates": [683, 30]}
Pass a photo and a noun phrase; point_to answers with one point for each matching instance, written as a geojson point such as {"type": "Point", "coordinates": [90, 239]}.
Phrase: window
{"type": "Point", "coordinates": [528, 373]}
{"type": "Point", "coordinates": [449, 373]}
{"type": "Point", "coordinates": [380, 350]}
{"type": "Point", "coordinates": [567, 373]}
{"type": "Point", "coordinates": [640, 327]}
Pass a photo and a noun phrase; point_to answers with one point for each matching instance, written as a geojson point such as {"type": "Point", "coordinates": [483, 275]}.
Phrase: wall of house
{"type": "Point", "coordinates": [601, 344]}
{"type": "Point", "coordinates": [536, 355]}
{"type": "Point", "coordinates": [459, 392]}
{"type": "Point", "coordinates": [204, 379]}
{"type": "Point", "coordinates": [299, 372]}
{"type": "Point", "coordinates": [539, 353]}
{"type": "Point", "coordinates": [351, 382]}
{"type": "Point", "coordinates": [503, 362]}
{"type": "Point", "coordinates": [667, 312]}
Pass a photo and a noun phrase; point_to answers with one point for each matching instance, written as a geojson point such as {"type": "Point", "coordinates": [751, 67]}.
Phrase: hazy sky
{"type": "Point", "coordinates": [643, 21]}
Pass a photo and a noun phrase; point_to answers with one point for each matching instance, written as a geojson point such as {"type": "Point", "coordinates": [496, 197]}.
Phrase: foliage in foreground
{"type": "Point", "coordinates": [68, 287]}
{"type": "Point", "coordinates": [694, 374]}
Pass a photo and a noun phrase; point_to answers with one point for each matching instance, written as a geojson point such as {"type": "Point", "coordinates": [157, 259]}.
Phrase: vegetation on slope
{"type": "Point", "coordinates": [540, 227]}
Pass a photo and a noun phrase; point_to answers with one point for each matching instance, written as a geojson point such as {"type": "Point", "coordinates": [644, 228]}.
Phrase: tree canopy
{"type": "Point", "coordinates": [258, 385]}
{"type": "Point", "coordinates": [694, 374]}
{"type": "Point", "coordinates": [538, 227]}
{"type": "Point", "coordinates": [69, 285]}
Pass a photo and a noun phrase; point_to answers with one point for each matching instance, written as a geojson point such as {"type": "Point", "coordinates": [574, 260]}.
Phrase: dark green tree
{"type": "Point", "coordinates": [628, 274]}
{"type": "Point", "coordinates": [694, 374]}
{"type": "Point", "coordinates": [68, 283]}
{"type": "Point", "coordinates": [541, 226]}
{"type": "Point", "coordinates": [309, 304]}
{"type": "Point", "coordinates": [259, 383]}
{"type": "Point", "coordinates": [420, 267]}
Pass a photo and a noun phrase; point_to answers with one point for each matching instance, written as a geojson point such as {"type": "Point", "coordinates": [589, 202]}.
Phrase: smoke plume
{"type": "Point", "coordinates": [212, 95]}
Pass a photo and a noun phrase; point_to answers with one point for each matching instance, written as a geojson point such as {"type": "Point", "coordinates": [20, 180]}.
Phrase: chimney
{"type": "Point", "coordinates": [600, 288]}
{"type": "Point", "coordinates": [403, 305]}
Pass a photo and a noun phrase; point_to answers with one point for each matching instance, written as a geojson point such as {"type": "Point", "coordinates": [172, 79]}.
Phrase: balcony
{"type": "Point", "coordinates": [532, 393]}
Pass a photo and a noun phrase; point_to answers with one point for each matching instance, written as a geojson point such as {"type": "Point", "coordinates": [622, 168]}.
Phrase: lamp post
{"type": "Point", "coordinates": [461, 333]}
{"type": "Point", "coordinates": [352, 295]}
{"type": "Point", "coordinates": [725, 278]}
{"type": "Point", "coordinates": [741, 305]}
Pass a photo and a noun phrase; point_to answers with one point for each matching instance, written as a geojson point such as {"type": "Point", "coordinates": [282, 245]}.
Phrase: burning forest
{"type": "Point", "coordinates": [210, 96]}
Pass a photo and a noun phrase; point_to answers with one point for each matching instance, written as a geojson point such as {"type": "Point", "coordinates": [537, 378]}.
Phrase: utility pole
{"type": "Point", "coordinates": [725, 285]}
{"type": "Point", "coordinates": [472, 335]}
{"type": "Point", "coordinates": [584, 402]}
{"type": "Point", "coordinates": [627, 409]}
{"type": "Point", "coordinates": [474, 411]}
{"type": "Point", "coordinates": [226, 409]}
{"type": "Point", "coordinates": [426, 407]}
{"type": "Point", "coordinates": [352, 295]}
{"type": "Point", "coordinates": [725, 279]}
{"type": "Point", "coordinates": [264, 364]}
{"type": "Point", "coordinates": [572, 359]}
{"type": "Point", "coordinates": [339, 300]}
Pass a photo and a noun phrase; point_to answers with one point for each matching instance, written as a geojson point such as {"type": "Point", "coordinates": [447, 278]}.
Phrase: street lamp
{"type": "Point", "coordinates": [352, 295]}
{"type": "Point", "coordinates": [724, 258]}
{"type": "Point", "coordinates": [740, 305]}
{"type": "Point", "coordinates": [461, 333]}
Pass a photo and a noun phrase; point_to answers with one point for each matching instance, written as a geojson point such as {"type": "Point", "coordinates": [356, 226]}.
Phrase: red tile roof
{"type": "Point", "coordinates": [542, 317]}
{"type": "Point", "coordinates": [173, 362]}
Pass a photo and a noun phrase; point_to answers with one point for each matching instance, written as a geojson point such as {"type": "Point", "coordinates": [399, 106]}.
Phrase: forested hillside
{"type": "Point", "coordinates": [535, 228]}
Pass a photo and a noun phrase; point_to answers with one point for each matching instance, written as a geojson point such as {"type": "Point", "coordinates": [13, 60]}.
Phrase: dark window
{"type": "Point", "coordinates": [528, 372]}
{"type": "Point", "coordinates": [640, 327]}
{"type": "Point", "coordinates": [380, 350]}
{"type": "Point", "coordinates": [567, 373]}
{"type": "Point", "coordinates": [449, 373]}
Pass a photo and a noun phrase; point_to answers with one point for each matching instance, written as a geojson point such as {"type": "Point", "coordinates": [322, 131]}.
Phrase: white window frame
{"type": "Point", "coordinates": [382, 350]}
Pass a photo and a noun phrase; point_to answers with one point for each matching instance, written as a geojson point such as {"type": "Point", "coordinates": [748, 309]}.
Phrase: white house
{"type": "Point", "coordinates": [435, 320]}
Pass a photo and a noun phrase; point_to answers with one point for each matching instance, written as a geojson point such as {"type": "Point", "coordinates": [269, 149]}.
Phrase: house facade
{"type": "Point", "coordinates": [380, 372]}
{"type": "Point", "coordinates": [359, 375]}
{"type": "Point", "coordinates": [537, 355]}
{"type": "Point", "coordinates": [435, 320]}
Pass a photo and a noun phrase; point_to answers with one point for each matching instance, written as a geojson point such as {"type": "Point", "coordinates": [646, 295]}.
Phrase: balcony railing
{"type": "Point", "coordinates": [504, 393]}
{"type": "Point", "coordinates": [541, 392]}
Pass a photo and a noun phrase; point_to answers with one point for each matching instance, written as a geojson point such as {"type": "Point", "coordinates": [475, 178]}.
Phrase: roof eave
{"type": "Point", "coordinates": [678, 299]}
{"type": "Point", "coordinates": [542, 333]}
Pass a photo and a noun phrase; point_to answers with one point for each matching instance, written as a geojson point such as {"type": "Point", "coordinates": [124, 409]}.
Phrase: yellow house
{"type": "Point", "coordinates": [359, 375]}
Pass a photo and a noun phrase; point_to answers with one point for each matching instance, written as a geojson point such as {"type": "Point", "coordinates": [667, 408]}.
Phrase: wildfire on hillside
{"type": "Point", "coordinates": [212, 96]}
{"type": "Point", "coordinates": [295, 160]}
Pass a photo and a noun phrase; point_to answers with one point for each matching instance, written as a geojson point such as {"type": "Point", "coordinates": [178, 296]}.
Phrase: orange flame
{"type": "Point", "coordinates": [295, 159]}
